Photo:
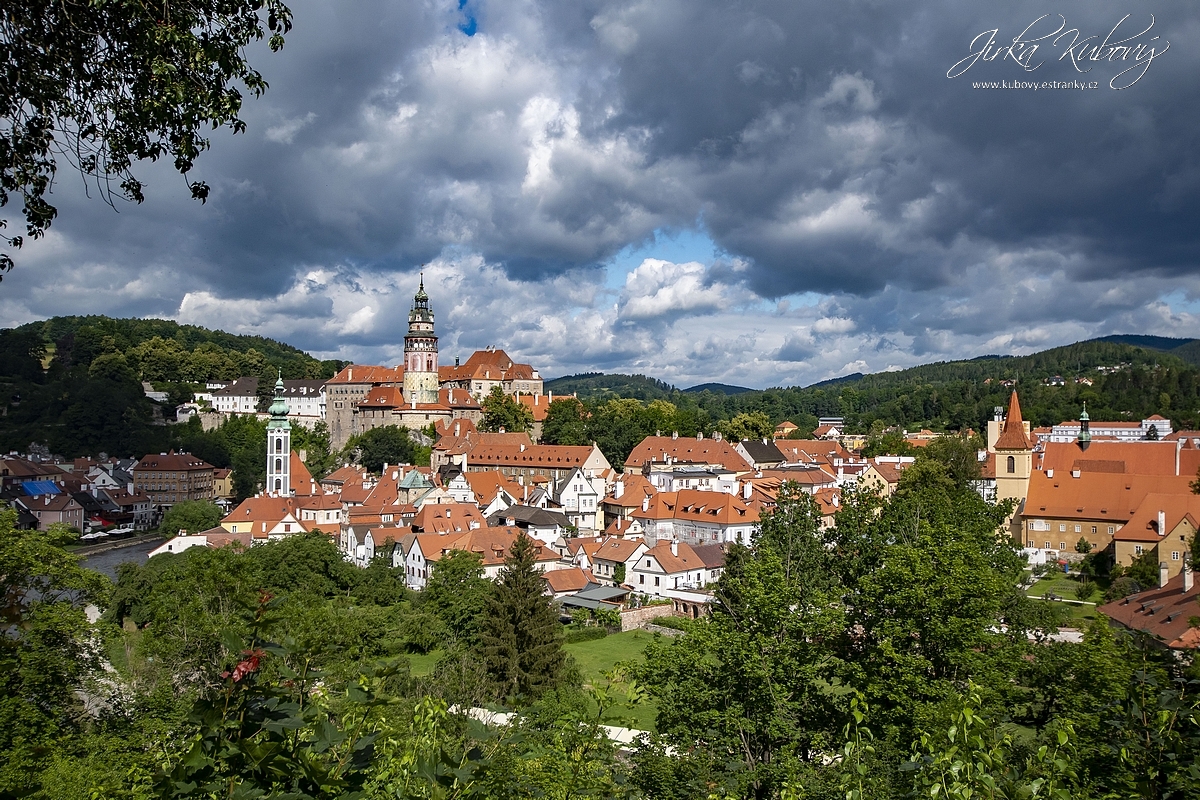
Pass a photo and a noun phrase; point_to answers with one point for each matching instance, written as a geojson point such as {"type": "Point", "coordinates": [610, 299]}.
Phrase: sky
{"type": "Point", "coordinates": [756, 193]}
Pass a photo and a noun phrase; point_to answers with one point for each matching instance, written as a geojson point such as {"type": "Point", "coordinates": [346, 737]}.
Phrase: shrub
{"type": "Point", "coordinates": [585, 634]}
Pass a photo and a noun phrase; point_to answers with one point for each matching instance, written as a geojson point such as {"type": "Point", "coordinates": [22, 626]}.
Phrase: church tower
{"type": "Point", "coordinates": [421, 352]}
{"type": "Point", "coordinates": [279, 445]}
{"type": "Point", "coordinates": [1014, 456]}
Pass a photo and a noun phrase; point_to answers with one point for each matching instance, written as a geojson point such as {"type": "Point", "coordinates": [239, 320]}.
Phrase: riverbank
{"type": "Point", "coordinates": [116, 544]}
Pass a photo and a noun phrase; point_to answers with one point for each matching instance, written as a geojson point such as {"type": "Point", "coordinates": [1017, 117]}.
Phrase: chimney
{"type": "Point", "coordinates": [674, 434]}
{"type": "Point", "coordinates": [1162, 522]}
{"type": "Point", "coordinates": [457, 428]}
{"type": "Point", "coordinates": [1049, 473]}
{"type": "Point", "coordinates": [716, 436]}
{"type": "Point", "coordinates": [700, 436]}
{"type": "Point", "coordinates": [1187, 573]}
{"type": "Point", "coordinates": [646, 503]}
{"type": "Point", "coordinates": [550, 399]}
{"type": "Point", "coordinates": [1075, 473]}
{"type": "Point", "coordinates": [1162, 574]}
{"type": "Point", "coordinates": [675, 547]}
{"type": "Point", "coordinates": [1178, 447]}
{"type": "Point", "coordinates": [619, 489]}
{"type": "Point", "coordinates": [522, 448]}
{"type": "Point", "coordinates": [747, 490]}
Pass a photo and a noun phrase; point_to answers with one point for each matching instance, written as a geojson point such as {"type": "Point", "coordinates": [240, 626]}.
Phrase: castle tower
{"type": "Point", "coordinates": [279, 445]}
{"type": "Point", "coordinates": [1014, 456]}
{"type": "Point", "coordinates": [420, 352]}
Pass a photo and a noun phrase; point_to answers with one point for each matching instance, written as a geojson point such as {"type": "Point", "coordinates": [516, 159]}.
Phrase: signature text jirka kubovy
{"type": "Point", "coordinates": [1135, 52]}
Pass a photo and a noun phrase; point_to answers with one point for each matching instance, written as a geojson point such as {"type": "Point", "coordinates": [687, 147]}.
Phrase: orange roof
{"type": "Point", "coordinates": [1014, 436]}
{"type": "Point", "coordinates": [179, 462]}
{"type": "Point", "coordinates": [538, 404]}
{"type": "Point", "coordinates": [364, 373]}
{"type": "Point", "coordinates": [1143, 525]}
{"type": "Point", "coordinates": [800, 451]}
{"type": "Point", "coordinates": [383, 397]}
{"type": "Point", "coordinates": [636, 486]}
{"type": "Point", "coordinates": [549, 456]}
{"type": "Point", "coordinates": [447, 518]}
{"type": "Point", "coordinates": [687, 558]}
{"type": "Point", "coordinates": [1095, 495]}
{"type": "Point", "coordinates": [486, 485]}
{"type": "Point", "coordinates": [458, 398]}
{"type": "Point", "coordinates": [494, 365]}
{"type": "Point", "coordinates": [301, 479]}
{"type": "Point", "coordinates": [1131, 458]}
{"type": "Point", "coordinates": [262, 509]}
{"type": "Point", "coordinates": [350, 473]}
{"type": "Point", "coordinates": [616, 550]}
{"type": "Point", "coordinates": [803, 477]}
{"type": "Point", "coordinates": [491, 544]}
{"type": "Point", "coordinates": [568, 580]}
{"type": "Point", "coordinates": [699, 506]}
{"type": "Point", "coordinates": [829, 499]}
{"type": "Point", "coordinates": [889, 470]}
{"type": "Point", "coordinates": [447, 427]}
{"type": "Point", "coordinates": [1162, 613]}
{"type": "Point", "coordinates": [688, 450]}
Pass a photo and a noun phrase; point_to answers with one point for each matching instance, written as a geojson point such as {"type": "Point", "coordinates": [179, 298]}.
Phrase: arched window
{"type": "Point", "coordinates": [279, 465]}
{"type": "Point", "coordinates": [429, 365]}
{"type": "Point", "coordinates": [278, 485]}
{"type": "Point", "coordinates": [279, 445]}
{"type": "Point", "coordinates": [1012, 464]}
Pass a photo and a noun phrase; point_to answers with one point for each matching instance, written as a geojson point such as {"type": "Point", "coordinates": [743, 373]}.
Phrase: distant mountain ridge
{"type": "Point", "coordinates": [718, 388]}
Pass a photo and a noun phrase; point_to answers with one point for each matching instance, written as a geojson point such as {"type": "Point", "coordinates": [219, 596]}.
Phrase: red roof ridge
{"type": "Point", "coordinates": [1014, 436]}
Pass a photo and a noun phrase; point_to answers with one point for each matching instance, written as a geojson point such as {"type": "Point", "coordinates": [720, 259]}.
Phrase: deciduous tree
{"type": "Point", "coordinates": [103, 85]}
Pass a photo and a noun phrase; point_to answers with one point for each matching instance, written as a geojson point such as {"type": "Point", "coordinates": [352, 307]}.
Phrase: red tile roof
{"type": "Point", "coordinates": [1131, 458]}
{"type": "Point", "coordinates": [1161, 613]}
{"type": "Point", "coordinates": [1014, 437]}
{"type": "Point", "coordinates": [687, 450]}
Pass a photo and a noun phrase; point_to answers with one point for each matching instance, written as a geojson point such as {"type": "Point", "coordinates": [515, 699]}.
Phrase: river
{"type": "Point", "coordinates": [108, 561]}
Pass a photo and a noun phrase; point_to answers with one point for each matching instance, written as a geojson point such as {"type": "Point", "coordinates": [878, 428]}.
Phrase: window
{"type": "Point", "coordinates": [1012, 464]}
{"type": "Point", "coordinates": [1093, 529]}
{"type": "Point", "coordinates": [1174, 555]}
{"type": "Point", "coordinates": [1137, 549]}
{"type": "Point", "coordinates": [1047, 545]}
{"type": "Point", "coordinates": [1030, 543]}
{"type": "Point", "coordinates": [1078, 528]}
{"type": "Point", "coordinates": [656, 580]}
{"type": "Point", "coordinates": [279, 465]}
{"type": "Point", "coordinates": [1062, 545]}
{"type": "Point", "coordinates": [278, 485]}
{"type": "Point", "coordinates": [1062, 527]}
{"type": "Point", "coordinates": [1110, 530]}
{"type": "Point", "coordinates": [641, 578]}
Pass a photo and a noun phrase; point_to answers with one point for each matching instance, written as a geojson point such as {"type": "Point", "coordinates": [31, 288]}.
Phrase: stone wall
{"type": "Point", "coordinates": [640, 617]}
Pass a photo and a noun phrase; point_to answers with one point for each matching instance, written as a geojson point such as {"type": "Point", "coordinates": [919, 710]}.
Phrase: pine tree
{"type": "Point", "coordinates": [521, 636]}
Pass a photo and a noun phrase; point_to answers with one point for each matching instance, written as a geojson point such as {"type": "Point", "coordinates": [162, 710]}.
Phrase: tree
{"type": "Point", "coordinates": [753, 425]}
{"type": "Point", "coordinates": [521, 636]}
{"type": "Point", "coordinates": [1083, 546]}
{"type": "Point", "coordinates": [958, 453]}
{"type": "Point", "coordinates": [192, 516]}
{"type": "Point", "coordinates": [456, 593]}
{"type": "Point", "coordinates": [619, 573]}
{"type": "Point", "coordinates": [503, 412]}
{"type": "Point", "coordinates": [389, 444]}
{"type": "Point", "coordinates": [565, 423]}
{"type": "Point", "coordinates": [46, 650]}
{"type": "Point", "coordinates": [106, 84]}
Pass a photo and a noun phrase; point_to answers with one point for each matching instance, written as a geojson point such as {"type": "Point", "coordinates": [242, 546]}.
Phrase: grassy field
{"type": "Point", "coordinates": [594, 659]}
{"type": "Point", "coordinates": [1078, 615]}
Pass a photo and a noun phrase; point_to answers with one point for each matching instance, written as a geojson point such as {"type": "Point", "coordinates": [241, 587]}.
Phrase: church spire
{"type": "Point", "coordinates": [1085, 434]}
{"type": "Point", "coordinates": [1014, 436]}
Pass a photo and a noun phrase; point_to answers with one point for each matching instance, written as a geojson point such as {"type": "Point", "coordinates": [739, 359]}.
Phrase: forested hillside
{"type": "Point", "coordinates": [74, 383]}
{"type": "Point", "coordinates": [1117, 381]}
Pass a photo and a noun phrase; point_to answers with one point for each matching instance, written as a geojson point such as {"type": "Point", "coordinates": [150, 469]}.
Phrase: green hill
{"type": "Point", "coordinates": [718, 388]}
{"type": "Point", "coordinates": [74, 383]}
{"type": "Point", "coordinates": [599, 386]}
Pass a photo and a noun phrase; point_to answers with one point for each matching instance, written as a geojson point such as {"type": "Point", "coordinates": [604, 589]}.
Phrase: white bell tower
{"type": "Point", "coordinates": [279, 446]}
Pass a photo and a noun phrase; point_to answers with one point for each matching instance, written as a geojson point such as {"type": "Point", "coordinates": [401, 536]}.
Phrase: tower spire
{"type": "Point", "coordinates": [1085, 434]}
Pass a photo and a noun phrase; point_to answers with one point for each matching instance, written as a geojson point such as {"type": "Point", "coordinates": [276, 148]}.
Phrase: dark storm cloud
{"type": "Point", "coordinates": [820, 145]}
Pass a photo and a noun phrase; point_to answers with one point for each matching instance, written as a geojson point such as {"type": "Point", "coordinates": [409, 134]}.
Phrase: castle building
{"type": "Point", "coordinates": [421, 352]}
{"type": "Point", "coordinates": [418, 392]}
{"type": "Point", "coordinates": [279, 446]}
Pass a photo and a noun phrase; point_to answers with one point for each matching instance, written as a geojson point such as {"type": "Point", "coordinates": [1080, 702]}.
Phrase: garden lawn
{"type": "Point", "coordinates": [600, 655]}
